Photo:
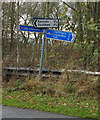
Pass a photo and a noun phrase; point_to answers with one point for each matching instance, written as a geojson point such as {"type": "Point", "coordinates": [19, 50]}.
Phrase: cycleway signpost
{"type": "Point", "coordinates": [29, 28]}
{"type": "Point", "coordinates": [52, 34]}
{"type": "Point", "coordinates": [44, 23]}
{"type": "Point", "coordinates": [60, 35]}
{"type": "Point", "coordinates": [41, 25]}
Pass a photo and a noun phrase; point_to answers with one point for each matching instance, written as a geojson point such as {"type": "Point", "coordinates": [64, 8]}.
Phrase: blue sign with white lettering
{"type": "Point", "coordinates": [60, 35]}
{"type": "Point", "coordinates": [53, 34]}
{"type": "Point", "coordinates": [29, 28]}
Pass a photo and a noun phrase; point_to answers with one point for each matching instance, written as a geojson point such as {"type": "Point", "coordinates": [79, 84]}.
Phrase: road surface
{"type": "Point", "coordinates": [14, 112]}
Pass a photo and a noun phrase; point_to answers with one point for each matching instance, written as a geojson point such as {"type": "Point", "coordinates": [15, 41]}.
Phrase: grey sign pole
{"type": "Point", "coordinates": [42, 53]}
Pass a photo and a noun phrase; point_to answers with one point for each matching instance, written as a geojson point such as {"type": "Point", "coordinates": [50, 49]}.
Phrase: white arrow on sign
{"type": "Point", "coordinates": [45, 23]}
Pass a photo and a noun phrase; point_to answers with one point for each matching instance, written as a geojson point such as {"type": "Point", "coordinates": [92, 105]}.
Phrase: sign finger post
{"type": "Point", "coordinates": [44, 23]}
{"type": "Point", "coordinates": [40, 25]}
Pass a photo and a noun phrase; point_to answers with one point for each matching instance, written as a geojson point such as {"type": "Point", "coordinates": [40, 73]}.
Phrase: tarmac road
{"type": "Point", "coordinates": [14, 112]}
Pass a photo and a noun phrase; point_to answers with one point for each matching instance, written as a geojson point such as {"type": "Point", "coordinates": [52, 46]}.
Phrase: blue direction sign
{"type": "Point", "coordinates": [29, 28]}
{"type": "Point", "coordinates": [53, 34]}
{"type": "Point", "coordinates": [60, 35]}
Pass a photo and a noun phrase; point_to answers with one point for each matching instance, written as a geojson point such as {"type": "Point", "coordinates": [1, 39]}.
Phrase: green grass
{"type": "Point", "coordinates": [75, 106]}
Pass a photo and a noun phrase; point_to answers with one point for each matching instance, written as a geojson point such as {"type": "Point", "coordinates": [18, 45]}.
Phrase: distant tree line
{"type": "Point", "coordinates": [82, 18]}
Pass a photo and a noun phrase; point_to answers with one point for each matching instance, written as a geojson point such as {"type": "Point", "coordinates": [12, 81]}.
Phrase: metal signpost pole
{"type": "Point", "coordinates": [42, 53]}
{"type": "Point", "coordinates": [33, 56]}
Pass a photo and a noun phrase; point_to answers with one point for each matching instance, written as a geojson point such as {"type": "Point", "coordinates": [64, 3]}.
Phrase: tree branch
{"type": "Point", "coordinates": [70, 6]}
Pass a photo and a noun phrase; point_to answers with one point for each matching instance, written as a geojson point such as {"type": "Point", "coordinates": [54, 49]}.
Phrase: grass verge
{"type": "Point", "coordinates": [84, 107]}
